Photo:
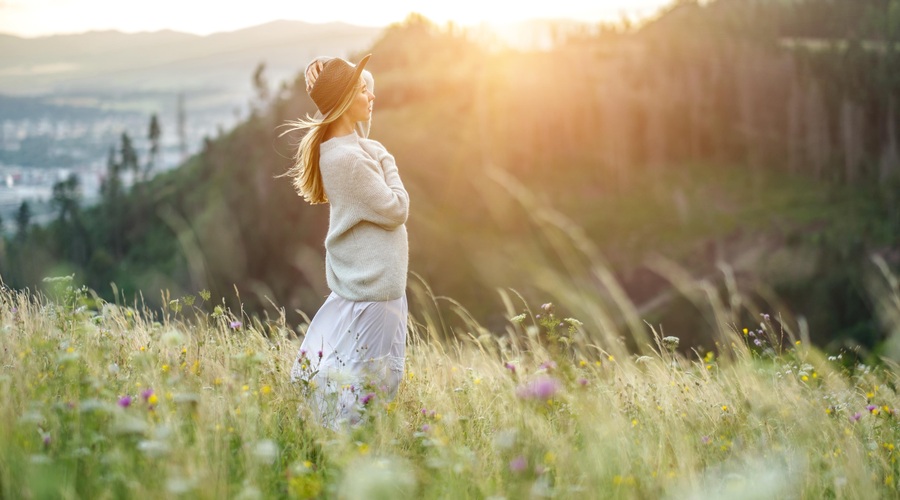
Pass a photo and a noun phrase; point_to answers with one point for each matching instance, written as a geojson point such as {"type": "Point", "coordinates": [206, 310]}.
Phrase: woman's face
{"type": "Point", "coordinates": [361, 107]}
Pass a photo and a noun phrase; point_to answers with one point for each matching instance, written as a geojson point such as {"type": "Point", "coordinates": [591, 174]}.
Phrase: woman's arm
{"type": "Point", "coordinates": [375, 197]}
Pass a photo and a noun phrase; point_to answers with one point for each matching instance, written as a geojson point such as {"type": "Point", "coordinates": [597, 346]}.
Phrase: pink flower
{"type": "Point", "coordinates": [234, 325]}
{"type": "Point", "coordinates": [365, 400]}
{"type": "Point", "coordinates": [146, 393]}
{"type": "Point", "coordinates": [856, 416]}
{"type": "Point", "coordinates": [125, 401]}
{"type": "Point", "coordinates": [511, 367]}
{"type": "Point", "coordinates": [541, 388]}
{"type": "Point", "coordinates": [518, 464]}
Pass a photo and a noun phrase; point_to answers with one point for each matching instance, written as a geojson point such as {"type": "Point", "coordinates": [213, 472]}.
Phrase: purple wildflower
{"type": "Point", "coordinates": [542, 388]}
{"type": "Point", "coordinates": [234, 325]}
{"type": "Point", "coordinates": [583, 381]}
{"type": "Point", "coordinates": [757, 342]}
{"type": "Point", "coordinates": [856, 416]}
{"type": "Point", "coordinates": [146, 393]}
{"type": "Point", "coordinates": [872, 408]}
{"type": "Point", "coordinates": [46, 439]}
{"type": "Point", "coordinates": [518, 464]}
{"type": "Point", "coordinates": [547, 308]}
{"type": "Point", "coordinates": [365, 400]}
{"type": "Point", "coordinates": [766, 317]}
{"type": "Point", "coordinates": [548, 365]}
{"type": "Point", "coordinates": [511, 367]}
{"type": "Point", "coordinates": [706, 439]}
{"type": "Point", "coordinates": [320, 354]}
{"type": "Point", "coordinates": [426, 428]}
{"type": "Point", "coordinates": [125, 401]}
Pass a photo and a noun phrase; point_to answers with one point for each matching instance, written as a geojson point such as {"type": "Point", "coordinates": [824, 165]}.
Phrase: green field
{"type": "Point", "coordinates": [107, 401]}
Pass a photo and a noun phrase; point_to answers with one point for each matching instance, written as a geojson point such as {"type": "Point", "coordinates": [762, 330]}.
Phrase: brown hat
{"type": "Point", "coordinates": [335, 80]}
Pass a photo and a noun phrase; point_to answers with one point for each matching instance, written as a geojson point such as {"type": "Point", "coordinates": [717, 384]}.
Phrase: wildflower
{"type": "Point", "coordinates": [146, 393]}
{"type": "Point", "coordinates": [725, 408]}
{"type": "Point", "coordinates": [234, 325]}
{"type": "Point", "coordinates": [582, 363]}
{"type": "Point", "coordinates": [266, 389]}
{"type": "Point", "coordinates": [548, 365]}
{"type": "Point", "coordinates": [165, 368]}
{"type": "Point", "coordinates": [797, 343]}
{"type": "Point", "coordinates": [509, 366]}
{"type": "Point", "coordinates": [152, 400]}
{"type": "Point", "coordinates": [426, 428]}
{"type": "Point", "coordinates": [671, 343]}
{"type": "Point", "coordinates": [765, 317]}
{"type": "Point", "coordinates": [125, 401]}
{"type": "Point", "coordinates": [46, 439]}
{"type": "Point", "coordinates": [855, 417]}
{"type": "Point", "coordinates": [746, 331]}
{"type": "Point", "coordinates": [367, 398]}
{"type": "Point", "coordinates": [873, 409]}
{"type": "Point", "coordinates": [547, 308]}
{"type": "Point", "coordinates": [611, 358]}
{"type": "Point", "coordinates": [573, 322]}
{"type": "Point", "coordinates": [542, 388]}
{"type": "Point", "coordinates": [518, 319]}
{"type": "Point", "coordinates": [320, 354]}
{"type": "Point", "coordinates": [583, 381]}
{"type": "Point", "coordinates": [757, 342]}
{"type": "Point", "coordinates": [518, 464]}
{"type": "Point", "coordinates": [706, 439]}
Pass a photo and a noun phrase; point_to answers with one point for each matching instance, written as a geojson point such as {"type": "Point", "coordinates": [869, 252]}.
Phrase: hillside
{"type": "Point", "coordinates": [107, 400]}
{"type": "Point", "coordinates": [658, 147]}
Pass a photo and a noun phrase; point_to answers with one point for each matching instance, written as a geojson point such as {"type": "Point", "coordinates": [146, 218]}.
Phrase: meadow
{"type": "Point", "coordinates": [105, 400]}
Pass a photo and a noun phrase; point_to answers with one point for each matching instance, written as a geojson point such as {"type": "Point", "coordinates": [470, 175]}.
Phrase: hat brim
{"type": "Point", "coordinates": [360, 66]}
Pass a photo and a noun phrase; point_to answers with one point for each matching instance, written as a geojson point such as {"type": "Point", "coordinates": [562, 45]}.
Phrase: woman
{"type": "Point", "coordinates": [355, 346]}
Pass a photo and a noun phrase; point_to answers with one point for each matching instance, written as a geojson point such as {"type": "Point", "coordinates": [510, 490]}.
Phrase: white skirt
{"type": "Point", "coordinates": [353, 356]}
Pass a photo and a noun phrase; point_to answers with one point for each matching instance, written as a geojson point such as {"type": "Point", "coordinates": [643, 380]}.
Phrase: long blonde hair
{"type": "Point", "coordinates": [307, 178]}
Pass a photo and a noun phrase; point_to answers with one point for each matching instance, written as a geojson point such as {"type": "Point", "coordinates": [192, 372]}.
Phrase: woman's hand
{"type": "Point", "coordinates": [313, 70]}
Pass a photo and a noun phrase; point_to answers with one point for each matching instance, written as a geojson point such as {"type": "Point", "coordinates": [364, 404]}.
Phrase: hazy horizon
{"type": "Point", "coordinates": [43, 18]}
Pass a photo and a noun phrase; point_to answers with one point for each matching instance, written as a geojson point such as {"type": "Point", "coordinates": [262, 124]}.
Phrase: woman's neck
{"type": "Point", "coordinates": [339, 128]}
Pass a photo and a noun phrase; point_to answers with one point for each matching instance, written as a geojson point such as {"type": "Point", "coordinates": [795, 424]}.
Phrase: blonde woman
{"type": "Point", "coordinates": [355, 347]}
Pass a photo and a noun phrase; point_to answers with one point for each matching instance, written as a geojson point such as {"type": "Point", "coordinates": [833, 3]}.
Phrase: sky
{"type": "Point", "coordinates": [31, 18]}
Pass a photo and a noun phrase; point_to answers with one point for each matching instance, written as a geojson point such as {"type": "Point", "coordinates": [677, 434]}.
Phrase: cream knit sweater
{"type": "Point", "coordinates": [366, 249]}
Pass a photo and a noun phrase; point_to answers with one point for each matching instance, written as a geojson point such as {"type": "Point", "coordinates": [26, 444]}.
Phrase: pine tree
{"type": "Point", "coordinates": [153, 135]}
{"type": "Point", "coordinates": [23, 219]}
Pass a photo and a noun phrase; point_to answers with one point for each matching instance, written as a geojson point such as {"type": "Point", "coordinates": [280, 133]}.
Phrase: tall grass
{"type": "Point", "coordinates": [102, 400]}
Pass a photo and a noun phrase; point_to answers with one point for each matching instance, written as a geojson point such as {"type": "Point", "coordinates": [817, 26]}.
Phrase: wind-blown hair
{"type": "Point", "coordinates": [305, 174]}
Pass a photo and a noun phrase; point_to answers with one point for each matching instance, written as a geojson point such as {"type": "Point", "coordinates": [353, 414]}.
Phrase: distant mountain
{"type": "Point", "coordinates": [169, 60]}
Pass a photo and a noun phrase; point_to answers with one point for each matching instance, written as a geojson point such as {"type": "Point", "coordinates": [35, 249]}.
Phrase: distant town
{"type": "Point", "coordinates": [37, 152]}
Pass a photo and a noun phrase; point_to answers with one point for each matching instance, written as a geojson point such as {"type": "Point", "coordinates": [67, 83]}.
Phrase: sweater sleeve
{"type": "Point", "coordinates": [375, 197]}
